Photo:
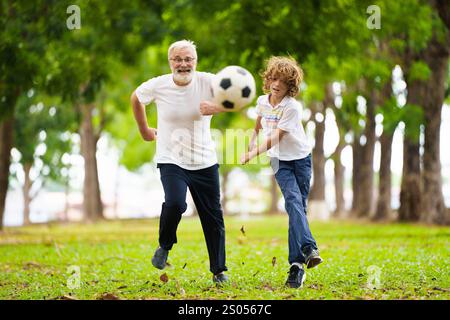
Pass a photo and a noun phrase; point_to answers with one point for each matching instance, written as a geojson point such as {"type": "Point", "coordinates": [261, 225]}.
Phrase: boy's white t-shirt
{"type": "Point", "coordinates": [184, 136]}
{"type": "Point", "coordinates": [287, 117]}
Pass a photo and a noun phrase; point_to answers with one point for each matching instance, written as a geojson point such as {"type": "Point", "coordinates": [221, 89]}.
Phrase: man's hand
{"type": "Point", "coordinates": [208, 108]}
{"type": "Point", "coordinates": [148, 134]}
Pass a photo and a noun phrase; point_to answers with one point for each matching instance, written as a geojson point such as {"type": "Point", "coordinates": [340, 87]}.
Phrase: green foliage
{"type": "Point", "coordinates": [392, 114]}
{"type": "Point", "coordinates": [114, 257]}
{"type": "Point", "coordinates": [25, 30]}
{"type": "Point", "coordinates": [419, 70]}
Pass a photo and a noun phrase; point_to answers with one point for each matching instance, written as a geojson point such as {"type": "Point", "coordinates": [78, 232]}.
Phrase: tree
{"type": "Point", "coordinates": [83, 63]}
{"type": "Point", "coordinates": [25, 30]}
{"type": "Point", "coordinates": [38, 130]}
{"type": "Point", "coordinates": [436, 56]}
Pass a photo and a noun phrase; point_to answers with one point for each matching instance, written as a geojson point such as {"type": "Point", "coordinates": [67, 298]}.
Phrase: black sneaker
{"type": "Point", "coordinates": [159, 258]}
{"type": "Point", "coordinates": [220, 278]}
{"type": "Point", "coordinates": [313, 259]}
{"type": "Point", "coordinates": [296, 277]}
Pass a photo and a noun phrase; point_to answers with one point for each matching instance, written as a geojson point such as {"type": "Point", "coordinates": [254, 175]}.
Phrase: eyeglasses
{"type": "Point", "coordinates": [180, 60]}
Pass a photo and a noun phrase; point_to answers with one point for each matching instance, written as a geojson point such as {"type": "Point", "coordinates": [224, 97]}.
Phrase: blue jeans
{"type": "Point", "coordinates": [294, 177]}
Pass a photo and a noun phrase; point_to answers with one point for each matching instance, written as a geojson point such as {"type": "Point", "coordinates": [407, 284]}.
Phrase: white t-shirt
{"type": "Point", "coordinates": [184, 136]}
{"type": "Point", "coordinates": [287, 117]}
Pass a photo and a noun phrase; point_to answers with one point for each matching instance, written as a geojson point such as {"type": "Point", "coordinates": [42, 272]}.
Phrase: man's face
{"type": "Point", "coordinates": [183, 64]}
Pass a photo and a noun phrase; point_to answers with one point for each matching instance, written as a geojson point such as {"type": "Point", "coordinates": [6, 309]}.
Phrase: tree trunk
{"type": "Point", "coordinates": [6, 141]}
{"type": "Point", "coordinates": [318, 157]}
{"type": "Point", "coordinates": [26, 189]}
{"type": "Point", "coordinates": [436, 56]}
{"type": "Point", "coordinates": [410, 193]}
{"type": "Point", "coordinates": [65, 216]}
{"type": "Point", "coordinates": [384, 188]}
{"type": "Point", "coordinates": [92, 205]}
{"type": "Point", "coordinates": [339, 171]}
{"type": "Point", "coordinates": [366, 173]}
{"type": "Point", "coordinates": [116, 194]}
{"type": "Point", "coordinates": [274, 195]}
{"type": "Point", "coordinates": [356, 171]}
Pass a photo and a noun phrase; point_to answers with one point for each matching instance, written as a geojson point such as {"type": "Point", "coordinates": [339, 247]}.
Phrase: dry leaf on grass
{"type": "Point", "coordinates": [164, 277]}
{"type": "Point", "coordinates": [109, 296]}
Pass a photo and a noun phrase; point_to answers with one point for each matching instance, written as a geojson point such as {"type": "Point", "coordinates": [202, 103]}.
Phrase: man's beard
{"type": "Point", "coordinates": [183, 78]}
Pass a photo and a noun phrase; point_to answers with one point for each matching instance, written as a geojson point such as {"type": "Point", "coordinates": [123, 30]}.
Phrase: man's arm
{"type": "Point", "coordinates": [266, 145]}
{"type": "Point", "coordinates": [147, 133]}
{"type": "Point", "coordinates": [208, 108]}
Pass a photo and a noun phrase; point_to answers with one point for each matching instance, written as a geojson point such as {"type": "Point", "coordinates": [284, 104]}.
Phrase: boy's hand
{"type": "Point", "coordinates": [208, 108]}
{"type": "Point", "coordinates": [148, 134]}
{"type": "Point", "coordinates": [246, 157]}
{"type": "Point", "coordinates": [251, 146]}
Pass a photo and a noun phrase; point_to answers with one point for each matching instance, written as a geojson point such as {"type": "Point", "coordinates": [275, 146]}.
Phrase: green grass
{"type": "Point", "coordinates": [114, 258]}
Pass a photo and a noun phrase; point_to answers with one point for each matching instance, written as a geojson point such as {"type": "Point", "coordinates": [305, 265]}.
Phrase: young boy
{"type": "Point", "coordinates": [279, 115]}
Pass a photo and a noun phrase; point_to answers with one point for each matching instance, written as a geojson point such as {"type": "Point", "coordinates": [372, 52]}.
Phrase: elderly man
{"type": "Point", "coordinates": [185, 153]}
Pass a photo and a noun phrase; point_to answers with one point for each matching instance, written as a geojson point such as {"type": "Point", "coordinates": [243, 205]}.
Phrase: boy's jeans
{"type": "Point", "coordinates": [294, 177]}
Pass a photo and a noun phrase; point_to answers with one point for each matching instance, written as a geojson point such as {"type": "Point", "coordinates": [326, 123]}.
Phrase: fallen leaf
{"type": "Point", "coordinates": [109, 296]}
{"type": "Point", "coordinates": [440, 289]}
{"type": "Point", "coordinates": [32, 264]}
{"type": "Point", "coordinates": [164, 278]}
{"type": "Point", "coordinates": [268, 287]}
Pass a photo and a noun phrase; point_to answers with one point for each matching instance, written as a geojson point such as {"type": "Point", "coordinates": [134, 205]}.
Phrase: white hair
{"type": "Point", "coordinates": [183, 44]}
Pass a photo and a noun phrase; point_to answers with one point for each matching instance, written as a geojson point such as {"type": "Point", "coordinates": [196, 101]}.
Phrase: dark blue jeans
{"type": "Point", "coordinates": [294, 177]}
{"type": "Point", "coordinates": [205, 190]}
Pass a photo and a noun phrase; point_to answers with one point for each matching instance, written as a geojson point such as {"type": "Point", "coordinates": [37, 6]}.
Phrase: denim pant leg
{"type": "Point", "coordinates": [302, 170]}
{"type": "Point", "coordinates": [175, 188]}
{"type": "Point", "coordinates": [299, 235]}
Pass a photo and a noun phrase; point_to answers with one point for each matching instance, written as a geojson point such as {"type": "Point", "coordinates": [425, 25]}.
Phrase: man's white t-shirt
{"type": "Point", "coordinates": [287, 117]}
{"type": "Point", "coordinates": [184, 136]}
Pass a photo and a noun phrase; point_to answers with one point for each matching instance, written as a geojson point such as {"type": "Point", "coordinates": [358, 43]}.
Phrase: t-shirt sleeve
{"type": "Point", "coordinates": [145, 92]}
{"type": "Point", "coordinates": [209, 76]}
{"type": "Point", "coordinates": [259, 106]}
{"type": "Point", "coordinates": [289, 119]}
{"type": "Point", "coordinates": [258, 110]}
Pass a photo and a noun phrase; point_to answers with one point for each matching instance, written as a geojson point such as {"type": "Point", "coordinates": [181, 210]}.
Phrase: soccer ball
{"type": "Point", "coordinates": [233, 88]}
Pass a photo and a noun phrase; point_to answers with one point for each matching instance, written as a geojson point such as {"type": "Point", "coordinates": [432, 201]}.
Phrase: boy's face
{"type": "Point", "coordinates": [278, 87]}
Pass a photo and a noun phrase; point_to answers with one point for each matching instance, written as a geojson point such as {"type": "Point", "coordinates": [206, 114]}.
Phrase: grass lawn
{"type": "Point", "coordinates": [112, 260]}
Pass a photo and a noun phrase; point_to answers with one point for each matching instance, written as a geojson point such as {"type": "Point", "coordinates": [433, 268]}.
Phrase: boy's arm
{"type": "Point", "coordinates": [147, 133]}
{"type": "Point", "coordinates": [266, 145]}
{"type": "Point", "coordinates": [258, 127]}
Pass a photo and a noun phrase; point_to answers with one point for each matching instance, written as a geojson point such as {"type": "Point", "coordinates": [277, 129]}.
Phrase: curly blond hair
{"type": "Point", "coordinates": [286, 69]}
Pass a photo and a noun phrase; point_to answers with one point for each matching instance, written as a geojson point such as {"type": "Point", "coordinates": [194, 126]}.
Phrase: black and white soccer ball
{"type": "Point", "coordinates": [233, 88]}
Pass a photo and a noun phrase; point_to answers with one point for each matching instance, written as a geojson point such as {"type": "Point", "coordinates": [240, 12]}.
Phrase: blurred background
{"type": "Point", "coordinates": [375, 104]}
